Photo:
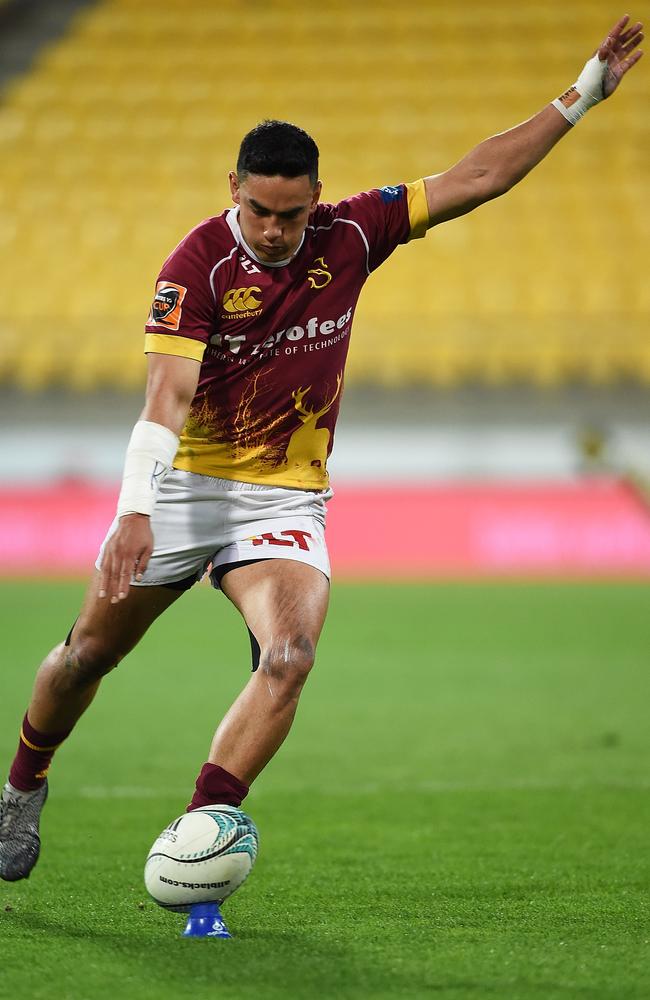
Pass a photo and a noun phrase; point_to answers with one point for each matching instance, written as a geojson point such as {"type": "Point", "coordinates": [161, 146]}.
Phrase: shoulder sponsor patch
{"type": "Point", "coordinates": [390, 193]}
{"type": "Point", "coordinates": [166, 308]}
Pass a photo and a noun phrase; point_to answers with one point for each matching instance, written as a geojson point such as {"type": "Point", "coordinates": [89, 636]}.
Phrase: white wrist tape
{"type": "Point", "coordinates": [149, 456]}
{"type": "Point", "coordinates": [585, 92]}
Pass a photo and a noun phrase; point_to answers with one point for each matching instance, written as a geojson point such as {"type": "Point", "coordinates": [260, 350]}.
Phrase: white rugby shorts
{"type": "Point", "coordinates": [200, 523]}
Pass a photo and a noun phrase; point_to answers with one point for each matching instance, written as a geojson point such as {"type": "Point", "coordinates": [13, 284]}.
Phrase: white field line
{"type": "Point", "coordinates": [315, 788]}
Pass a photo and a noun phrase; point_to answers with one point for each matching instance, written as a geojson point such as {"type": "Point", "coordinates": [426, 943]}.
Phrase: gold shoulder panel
{"type": "Point", "coordinates": [180, 347]}
{"type": "Point", "coordinates": [418, 209]}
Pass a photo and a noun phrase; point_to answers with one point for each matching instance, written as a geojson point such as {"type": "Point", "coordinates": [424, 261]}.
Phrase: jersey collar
{"type": "Point", "coordinates": [232, 218]}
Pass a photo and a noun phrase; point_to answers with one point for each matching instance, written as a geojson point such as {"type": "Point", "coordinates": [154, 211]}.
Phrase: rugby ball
{"type": "Point", "coordinates": [201, 857]}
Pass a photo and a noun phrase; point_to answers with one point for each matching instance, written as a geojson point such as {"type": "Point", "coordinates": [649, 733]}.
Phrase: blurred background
{"type": "Point", "coordinates": [496, 417]}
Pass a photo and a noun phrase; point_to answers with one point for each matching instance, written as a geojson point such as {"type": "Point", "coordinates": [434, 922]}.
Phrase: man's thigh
{"type": "Point", "coordinates": [119, 626]}
{"type": "Point", "coordinates": [281, 600]}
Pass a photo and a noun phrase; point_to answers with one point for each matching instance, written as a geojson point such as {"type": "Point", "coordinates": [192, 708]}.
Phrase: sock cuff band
{"type": "Point", "coordinates": [40, 742]}
{"type": "Point", "coordinates": [213, 776]}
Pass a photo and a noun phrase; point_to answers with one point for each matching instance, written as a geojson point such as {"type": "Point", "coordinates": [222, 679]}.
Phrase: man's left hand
{"type": "Point", "coordinates": [619, 51]}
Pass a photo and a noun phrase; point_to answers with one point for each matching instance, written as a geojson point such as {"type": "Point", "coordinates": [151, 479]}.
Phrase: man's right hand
{"type": "Point", "coordinates": [125, 556]}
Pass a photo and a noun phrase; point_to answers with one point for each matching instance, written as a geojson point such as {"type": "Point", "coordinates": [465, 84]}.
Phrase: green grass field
{"type": "Point", "coordinates": [461, 810]}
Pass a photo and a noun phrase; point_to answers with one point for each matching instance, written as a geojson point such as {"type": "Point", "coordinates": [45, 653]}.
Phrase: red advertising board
{"type": "Point", "coordinates": [588, 528]}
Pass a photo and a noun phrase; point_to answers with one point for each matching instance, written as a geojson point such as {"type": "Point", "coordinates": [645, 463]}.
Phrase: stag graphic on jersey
{"type": "Point", "coordinates": [307, 448]}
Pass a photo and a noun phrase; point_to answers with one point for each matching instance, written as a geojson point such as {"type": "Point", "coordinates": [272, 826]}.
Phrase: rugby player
{"type": "Point", "coordinates": [225, 471]}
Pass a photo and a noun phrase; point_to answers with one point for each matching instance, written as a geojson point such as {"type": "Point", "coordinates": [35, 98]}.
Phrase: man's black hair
{"type": "Point", "coordinates": [278, 148]}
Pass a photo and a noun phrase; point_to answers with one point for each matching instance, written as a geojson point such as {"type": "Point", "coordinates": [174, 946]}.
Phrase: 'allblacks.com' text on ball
{"type": "Point", "coordinates": [202, 857]}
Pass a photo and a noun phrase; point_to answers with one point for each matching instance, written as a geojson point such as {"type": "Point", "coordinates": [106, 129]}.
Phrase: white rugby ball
{"type": "Point", "coordinates": [201, 857]}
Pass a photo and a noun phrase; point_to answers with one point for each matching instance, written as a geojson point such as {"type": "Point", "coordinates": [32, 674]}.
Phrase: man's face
{"type": "Point", "coordinates": [273, 212]}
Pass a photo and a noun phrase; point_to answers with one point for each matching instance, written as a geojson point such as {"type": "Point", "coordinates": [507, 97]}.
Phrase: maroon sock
{"type": "Point", "coordinates": [33, 757]}
{"type": "Point", "coordinates": [215, 785]}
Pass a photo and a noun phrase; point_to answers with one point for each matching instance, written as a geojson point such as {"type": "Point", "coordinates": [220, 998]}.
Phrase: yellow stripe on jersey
{"type": "Point", "coordinates": [418, 209]}
{"type": "Point", "coordinates": [180, 347]}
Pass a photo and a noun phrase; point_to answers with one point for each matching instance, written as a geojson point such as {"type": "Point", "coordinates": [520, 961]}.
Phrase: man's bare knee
{"type": "Point", "coordinates": [84, 661]}
{"type": "Point", "coordinates": [286, 663]}
{"type": "Point", "coordinates": [91, 658]}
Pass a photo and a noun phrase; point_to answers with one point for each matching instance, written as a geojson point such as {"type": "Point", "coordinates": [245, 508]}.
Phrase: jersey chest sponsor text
{"type": "Point", "coordinates": [316, 334]}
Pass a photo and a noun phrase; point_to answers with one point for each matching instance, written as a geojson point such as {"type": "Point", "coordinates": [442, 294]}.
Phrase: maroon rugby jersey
{"type": "Point", "coordinates": [272, 340]}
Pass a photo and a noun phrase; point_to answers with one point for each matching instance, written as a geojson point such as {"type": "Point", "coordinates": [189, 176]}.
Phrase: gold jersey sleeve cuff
{"type": "Point", "coordinates": [180, 347]}
{"type": "Point", "coordinates": [418, 209]}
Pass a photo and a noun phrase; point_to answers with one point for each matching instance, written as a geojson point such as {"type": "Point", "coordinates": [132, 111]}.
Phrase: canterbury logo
{"type": "Point", "coordinates": [318, 277]}
{"type": "Point", "coordinates": [237, 300]}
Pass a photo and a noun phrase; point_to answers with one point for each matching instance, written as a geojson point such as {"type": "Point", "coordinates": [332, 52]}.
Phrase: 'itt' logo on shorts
{"type": "Point", "coordinates": [298, 538]}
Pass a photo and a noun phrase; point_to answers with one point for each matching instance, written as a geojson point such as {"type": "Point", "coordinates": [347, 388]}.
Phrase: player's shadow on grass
{"type": "Point", "coordinates": [315, 967]}
{"type": "Point", "coordinates": [174, 957]}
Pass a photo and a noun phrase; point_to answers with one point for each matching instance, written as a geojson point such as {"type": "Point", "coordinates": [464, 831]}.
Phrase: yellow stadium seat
{"type": "Point", "coordinates": [120, 138]}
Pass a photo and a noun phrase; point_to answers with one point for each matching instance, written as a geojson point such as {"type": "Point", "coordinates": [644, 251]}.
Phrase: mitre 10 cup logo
{"type": "Point", "coordinates": [166, 307]}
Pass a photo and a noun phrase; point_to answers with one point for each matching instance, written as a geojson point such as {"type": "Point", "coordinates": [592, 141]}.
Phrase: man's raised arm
{"type": "Point", "coordinates": [500, 162]}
